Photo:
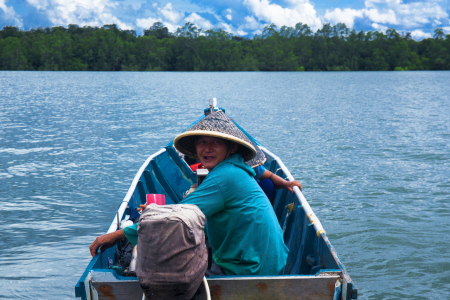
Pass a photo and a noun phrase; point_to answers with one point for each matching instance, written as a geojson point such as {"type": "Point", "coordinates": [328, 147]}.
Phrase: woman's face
{"type": "Point", "coordinates": [212, 150]}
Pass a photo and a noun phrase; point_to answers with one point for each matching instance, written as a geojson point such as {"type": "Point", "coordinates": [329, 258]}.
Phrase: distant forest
{"type": "Point", "coordinates": [332, 48]}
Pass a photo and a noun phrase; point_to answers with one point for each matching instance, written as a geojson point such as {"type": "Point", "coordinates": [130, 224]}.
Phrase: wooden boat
{"type": "Point", "coordinates": [313, 269]}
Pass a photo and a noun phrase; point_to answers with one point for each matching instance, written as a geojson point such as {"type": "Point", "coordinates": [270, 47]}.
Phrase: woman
{"type": "Point", "coordinates": [241, 226]}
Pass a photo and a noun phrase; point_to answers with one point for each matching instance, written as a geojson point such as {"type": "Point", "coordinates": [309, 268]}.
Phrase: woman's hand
{"type": "Point", "coordinates": [290, 185]}
{"type": "Point", "coordinates": [280, 182]}
{"type": "Point", "coordinates": [191, 190]}
{"type": "Point", "coordinates": [106, 241]}
{"type": "Point", "coordinates": [142, 207]}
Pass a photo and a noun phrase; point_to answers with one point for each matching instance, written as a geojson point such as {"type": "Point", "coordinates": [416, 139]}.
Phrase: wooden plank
{"type": "Point", "coordinates": [280, 287]}
{"type": "Point", "coordinates": [118, 290]}
{"type": "Point", "coordinates": [106, 286]}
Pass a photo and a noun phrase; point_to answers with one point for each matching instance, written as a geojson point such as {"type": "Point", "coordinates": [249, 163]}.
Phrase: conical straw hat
{"type": "Point", "coordinates": [259, 158]}
{"type": "Point", "coordinates": [217, 124]}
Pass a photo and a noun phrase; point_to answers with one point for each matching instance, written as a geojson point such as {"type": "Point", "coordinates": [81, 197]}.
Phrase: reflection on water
{"type": "Point", "coordinates": [371, 149]}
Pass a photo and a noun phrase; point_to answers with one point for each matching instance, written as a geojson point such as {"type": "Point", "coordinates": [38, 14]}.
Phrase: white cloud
{"type": "Point", "coordinates": [419, 34]}
{"type": "Point", "coordinates": [230, 29]}
{"type": "Point", "coordinates": [390, 12]}
{"type": "Point", "coordinates": [382, 14]}
{"type": "Point", "coordinates": [82, 12]}
{"type": "Point", "coordinates": [346, 16]}
{"type": "Point", "coordinates": [379, 27]}
{"type": "Point", "coordinates": [10, 14]}
{"type": "Point", "coordinates": [384, 17]}
{"type": "Point", "coordinates": [370, 2]}
{"type": "Point", "coordinates": [146, 23]}
{"type": "Point", "coordinates": [299, 11]}
{"type": "Point", "coordinates": [170, 14]}
{"type": "Point", "coordinates": [446, 29]}
{"type": "Point", "coordinates": [199, 21]}
{"type": "Point", "coordinates": [228, 15]}
{"type": "Point", "coordinates": [410, 15]}
{"type": "Point", "coordinates": [251, 23]}
{"type": "Point", "coordinates": [170, 17]}
{"type": "Point", "coordinates": [39, 4]}
{"type": "Point", "coordinates": [136, 4]}
{"type": "Point", "coordinates": [227, 27]}
{"type": "Point", "coordinates": [241, 32]}
{"type": "Point", "coordinates": [421, 13]}
{"type": "Point", "coordinates": [171, 27]}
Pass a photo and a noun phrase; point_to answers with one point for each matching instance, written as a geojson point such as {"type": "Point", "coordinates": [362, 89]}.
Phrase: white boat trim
{"type": "Point", "coordinates": [308, 210]}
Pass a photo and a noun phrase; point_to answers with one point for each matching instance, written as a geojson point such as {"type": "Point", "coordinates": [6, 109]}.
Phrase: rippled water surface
{"type": "Point", "coordinates": [372, 150]}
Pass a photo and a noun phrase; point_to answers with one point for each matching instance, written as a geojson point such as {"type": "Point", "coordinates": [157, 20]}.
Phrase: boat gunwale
{"type": "Point", "coordinates": [303, 202]}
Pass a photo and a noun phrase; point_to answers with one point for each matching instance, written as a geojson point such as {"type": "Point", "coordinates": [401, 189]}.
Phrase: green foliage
{"type": "Point", "coordinates": [158, 30]}
{"type": "Point", "coordinates": [13, 54]}
{"type": "Point", "coordinates": [438, 33]}
{"type": "Point", "coordinates": [298, 48]}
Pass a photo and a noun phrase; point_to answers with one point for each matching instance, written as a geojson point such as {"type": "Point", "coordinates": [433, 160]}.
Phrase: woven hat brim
{"type": "Point", "coordinates": [185, 143]}
{"type": "Point", "coordinates": [259, 159]}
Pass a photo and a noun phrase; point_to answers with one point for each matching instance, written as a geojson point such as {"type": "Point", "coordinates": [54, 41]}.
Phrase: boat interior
{"type": "Point", "coordinates": [313, 268]}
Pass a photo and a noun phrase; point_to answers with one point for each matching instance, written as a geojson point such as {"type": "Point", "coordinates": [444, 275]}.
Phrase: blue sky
{"type": "Point", "coordinates": [240, 17]}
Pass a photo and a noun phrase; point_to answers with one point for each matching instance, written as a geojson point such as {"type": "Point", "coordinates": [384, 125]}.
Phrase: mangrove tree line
{"type": "Point", "coordinates": [331, 48]}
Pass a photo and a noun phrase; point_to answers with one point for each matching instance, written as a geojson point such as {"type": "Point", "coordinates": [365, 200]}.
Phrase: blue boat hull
{"type": "Point", "coordinates": [313, 269]}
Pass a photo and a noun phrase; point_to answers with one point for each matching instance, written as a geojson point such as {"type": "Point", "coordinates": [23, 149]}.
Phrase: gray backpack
{"type": "Point", "coordinates": [171, 253]}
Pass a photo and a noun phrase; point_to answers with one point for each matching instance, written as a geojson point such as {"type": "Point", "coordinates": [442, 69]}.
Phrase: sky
{"type": "Point", "coordinates": [239, 17]}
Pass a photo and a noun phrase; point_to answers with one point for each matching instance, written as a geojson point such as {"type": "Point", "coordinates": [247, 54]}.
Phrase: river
{"type": "Point", "coordinates": [372, 150]}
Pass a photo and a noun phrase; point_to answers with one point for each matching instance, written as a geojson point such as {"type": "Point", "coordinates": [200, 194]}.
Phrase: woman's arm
{"type": "Point", "coordinates": [280, 182]}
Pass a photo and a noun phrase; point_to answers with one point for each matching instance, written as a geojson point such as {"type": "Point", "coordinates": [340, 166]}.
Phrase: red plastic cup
{"type": "Point", "coordinates": [196, 166]}
{"type": "Point", "coordinates": [159, 199]}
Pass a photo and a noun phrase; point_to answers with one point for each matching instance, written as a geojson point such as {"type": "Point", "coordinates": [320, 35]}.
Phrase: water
{"type": "Point", "coordinates": [372, 150]}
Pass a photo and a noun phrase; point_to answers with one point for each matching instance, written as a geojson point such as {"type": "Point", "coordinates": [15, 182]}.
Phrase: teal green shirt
{"type": "Point", "coordinates": [131, 233]}
{"type": "Point", "coordinates": [241, 226]}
